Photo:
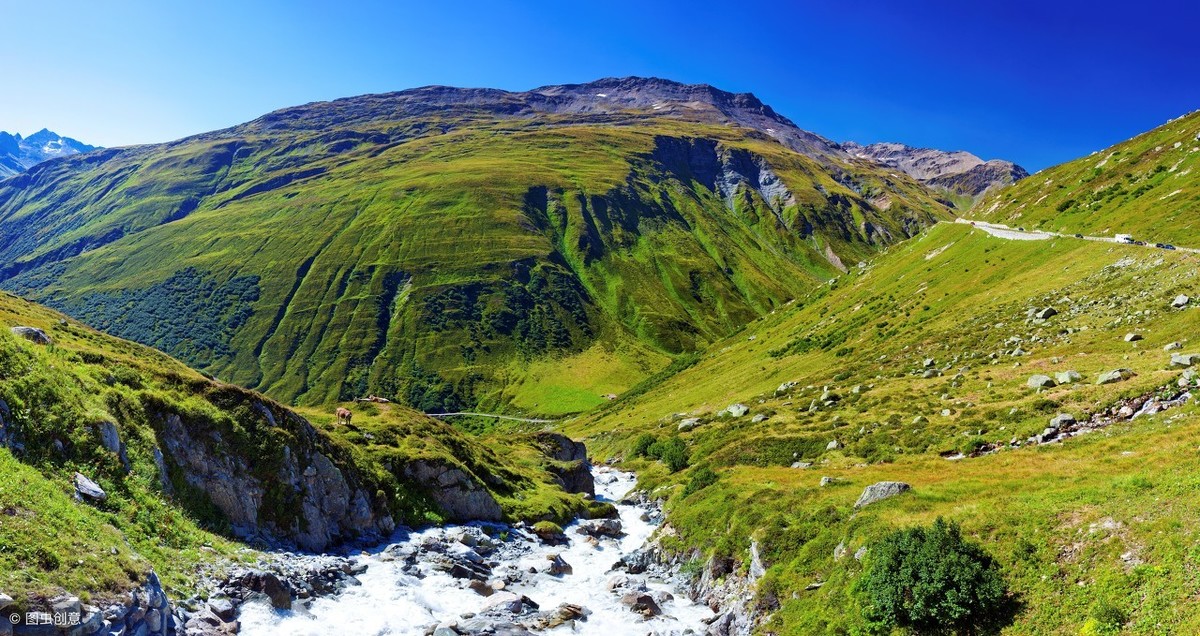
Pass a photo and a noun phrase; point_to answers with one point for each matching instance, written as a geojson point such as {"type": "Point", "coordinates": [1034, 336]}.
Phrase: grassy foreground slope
{"type": "Point", "coordinates": [454, 256]}
{"type": "Point", "coordinates": [1146, 186]}
{"type": "Point", "coordinates": [56, 401]}
{"type": "Point", "coordinates": [925, 354]}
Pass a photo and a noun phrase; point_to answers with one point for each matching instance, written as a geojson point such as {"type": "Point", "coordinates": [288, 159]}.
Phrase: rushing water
{"type": "Point", "coordinates": [391, 601]}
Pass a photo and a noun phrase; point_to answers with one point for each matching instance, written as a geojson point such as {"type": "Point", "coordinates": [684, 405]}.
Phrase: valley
{"type": "Point", "coordinates": [630, 356]}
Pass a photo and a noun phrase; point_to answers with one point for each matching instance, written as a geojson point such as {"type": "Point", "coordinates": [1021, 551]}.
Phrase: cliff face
{"type": "Point", "coordinates": [957, 172]}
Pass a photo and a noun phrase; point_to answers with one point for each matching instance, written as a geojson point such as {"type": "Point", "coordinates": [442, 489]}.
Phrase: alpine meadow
{"type": "Point", "coordinates": [629, 356]}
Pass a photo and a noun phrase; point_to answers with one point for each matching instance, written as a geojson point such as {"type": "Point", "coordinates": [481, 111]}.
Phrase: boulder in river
{"type": "Point", "coordinates": [641, 603]}
{"type": "Point", "coordinates": [880, 491]}
{"type": "Point", "coordinates": [600, 528]}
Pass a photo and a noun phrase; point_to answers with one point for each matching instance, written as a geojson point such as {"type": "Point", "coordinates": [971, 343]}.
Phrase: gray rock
{"type": "Point", "coordinates": [1061, 420]}
{"type": "Point", "coordinates": [880, 491]}
{"type": "Point", "coordinates": [1172, 346]}
{"type": "Point", "coordinates": [504, 600]}
{"type": "Point", "coordinates": [1040, 382]}
{"type": "Point", "coordinates": [32, 334]}
{"type": "Point", "coordinates": [827, 481]}
{"type": "Point", "coordinates": [641, 603]}
{"type": "Point", "coordinates": [1185, 359]}
{"type": "Point", "coordinates": [833, 445]}
{"type": "Point", "coordinates": [758, 418]}
{"type": "Point", "coordinates": [223, 608]}
{"type": "Point", "coordinates": [1116, 375]}
{"type": "Point", "coordinates": [1133, 337]}
{"type": "Point", "coordinates": [1046, 313]}
{"type": "Point", "coordinates": [1067, 377]}
{"type": "Point", "coordinates": [737, 410]}
{"type": "Point", "coordinates": [829, 397]}
{"type": "Point", "coordinates": [458, 494]}
{"type": "Point", "coordinates": [688, 424]}
{"type": "Point", "coordinates": [1180, 301]}
{"type": "Point", "coordinates": [785, 387]}
{"type": "Point", "coordinates": [86, 488]}
{"type": "Point", "coordinates": [571, 467]}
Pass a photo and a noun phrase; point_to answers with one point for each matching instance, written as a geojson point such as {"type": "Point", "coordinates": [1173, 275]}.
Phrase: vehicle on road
{"type": "Point", "coordinates": [1078, 236]}
{"type": "Point", "coordinates": [1142, 243]}
{"type": "Point", "coordinates": [1124, 238]}
{"type": "Point", "coordinates": [1020, 229]}
{"type": "Point", "coordinates": [1164, 246]}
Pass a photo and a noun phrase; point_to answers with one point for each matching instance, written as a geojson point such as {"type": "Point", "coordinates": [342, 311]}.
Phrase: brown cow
{"type": "Point", "coordinates": [344, 415]}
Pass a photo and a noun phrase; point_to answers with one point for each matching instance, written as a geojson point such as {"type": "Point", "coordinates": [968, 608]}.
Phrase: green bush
{"type": "Point", "coordinates": [932, 581]}
{"type": "Point", "coordinates": [702, 478]}
{"type": "Point", "coordinates": [672, 451]}
{"type": "Point", "coordinates": [642, 445]}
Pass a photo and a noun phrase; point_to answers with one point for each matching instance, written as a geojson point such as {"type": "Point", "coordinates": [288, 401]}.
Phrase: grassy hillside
{"type": "Point", "coordinates": [448, 258]}
{"type": "Point", "coordinates": [1145, 186]}
{"type": "Point", "coordinates": [56, 399]}
{"type": "Point", "coordinates": [926, 354]}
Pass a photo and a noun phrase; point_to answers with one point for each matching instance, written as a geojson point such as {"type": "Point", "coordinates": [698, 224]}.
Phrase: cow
{"type": "Point", "coordinates": [344, 415]}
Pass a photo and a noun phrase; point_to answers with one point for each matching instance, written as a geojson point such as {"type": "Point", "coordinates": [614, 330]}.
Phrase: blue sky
{"type": "Point", "coordinates": [1035, 82]}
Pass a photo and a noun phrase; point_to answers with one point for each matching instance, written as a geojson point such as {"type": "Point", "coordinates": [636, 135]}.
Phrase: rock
{"type": "Point", "coordinates": [758, 418]}
{"type": "Point", "coordinates": [688, 424]}
{"type": "Point", "coordinates": [839, 551]}
{"type": "Point", "coordinates": [623, 583]}
{"type": "Point", "coordinates": [928, 363]}
{"type": "Point", "coordinates": [829, 397]}
{"type": "Point", "coordinates": [1116, 375]}
{"type": "Point", "coordinates": [32, 334]}
{"type": "Point", "coordinates": [86, 488]}
{"type": "Point", "coordinates": [1067, 377]}
{"type": "Point", "coordinates": [1046, 313]}
{"type": "Point", "coordinates": [833, 445]}
{"type": "Point", "coordinates": [459, 495]}
{"type": "Point", "coordinates": [270, 585]}
{"type": "Point", "coordinates": [785, 387]}
{"type": "Point", "coordinates": [444, 631]}
{"type": "Point", "coordinates": [1133, 337]}
{"type": "Point", "coordinates": [737, 410]}
{"type": "Point", "coordinates": [558, 566]}
{"type": "Point", "coordinates": [827, 481]}
{"type": "Point", "coordinates": [1061, 420]}
{"type": "Point", "coordinates": [880, 491]}
{"type": "Point", "coordinates": [920, 419]}
{"type": "Point", "coordinates": [1172, 346]}
{"type": "Point", "coordinates": [600, 528]}
{"type": "Point", "coordinates": [1180, 301]}
{"type": "Point", "coordinates": [1040, 382]}
{"type": "Point", "coordinates": [1185, 359]}
{"type": "Point", "coordinates": [574, 474]}
{"type": "Point", "coordinates": [223, 608]}
{"type": "Point", "coordinates": [506, 601]}
{"type": "Point", "coordinates": [641, 603]}
{"type": "Point", "coordinates": [801, 464]}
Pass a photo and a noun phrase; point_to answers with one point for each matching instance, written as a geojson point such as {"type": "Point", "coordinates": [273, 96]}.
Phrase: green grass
{"type": "Point", "coordinates": [1146, 186]}
{"type": "Point", "coordinates": [420, 265]}
{"type": "Point", "coordinates": [955, 295]}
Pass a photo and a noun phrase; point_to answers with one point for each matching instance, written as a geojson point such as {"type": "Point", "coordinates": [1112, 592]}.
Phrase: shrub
{"type": "Point", "coordinates": [702, 478]}
{"type": "Point", "coordinates": [932, 580]}
{"type": "Point", "coordinates": [673, 452]}
{"type": "Point", "coordinates": [642, 445]}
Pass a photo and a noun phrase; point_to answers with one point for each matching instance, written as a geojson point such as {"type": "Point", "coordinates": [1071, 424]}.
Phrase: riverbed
{"type": "Point", "coordinates": [415, 582]}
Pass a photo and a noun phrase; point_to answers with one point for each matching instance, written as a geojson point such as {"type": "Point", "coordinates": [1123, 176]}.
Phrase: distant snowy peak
{"type": "Point", "coordinates": [18, 154]}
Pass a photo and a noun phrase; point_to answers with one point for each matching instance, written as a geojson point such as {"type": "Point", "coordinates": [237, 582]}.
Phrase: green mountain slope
{"type": "Point", "coordinates": [926, 354]}
{"type": "Point", "coordinates": [1146, 186]}
{"type": "Point", "coordinates": [189, 464]}
{"type": "Point", "coordinates": [454, 247]}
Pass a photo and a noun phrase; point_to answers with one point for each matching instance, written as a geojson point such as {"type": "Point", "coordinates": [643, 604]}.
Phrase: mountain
{"type": "Point", "coordinates": [1145, 186]}
{"type": "Point", "coordinates": [18, 154]}
{"type": "Point", "coordinates": [960, 174]}
{"type": "Point", "coordinates": [455, 247]}
{"type": "Point", "coordinates": [1039, 393]}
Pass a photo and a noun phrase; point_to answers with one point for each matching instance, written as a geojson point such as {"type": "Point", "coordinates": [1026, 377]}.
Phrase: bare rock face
{"type": "Point", "coordinates": [458, 494]}
{"type": "Point", "coordinates": [958, 171]}
{"type": "Point", "coordinates": [302, 498]}
{"type": "Point", "coordinates": [571, 469]}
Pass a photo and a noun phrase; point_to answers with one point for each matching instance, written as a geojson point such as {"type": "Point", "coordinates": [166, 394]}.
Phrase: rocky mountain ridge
{"type": "Point", "coordinates": [958, 172]}
{"type": "Point", "coordinates": [18, 154]}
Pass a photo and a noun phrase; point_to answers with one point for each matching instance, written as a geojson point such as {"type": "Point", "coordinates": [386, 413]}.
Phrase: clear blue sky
{"type": "Point", "coordinates": [1035, 82]}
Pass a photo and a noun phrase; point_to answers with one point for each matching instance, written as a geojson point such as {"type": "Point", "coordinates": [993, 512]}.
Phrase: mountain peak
{"type": "Point", "coordinates": [18, 154]}
{"type": "Point", "coordinates": [957, 171]}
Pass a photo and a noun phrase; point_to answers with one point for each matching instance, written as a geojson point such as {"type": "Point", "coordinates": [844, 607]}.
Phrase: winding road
{"type": "Point", "coordinates": [499, 417]}
{"type": "Point", "coordinates": [1015, 234]}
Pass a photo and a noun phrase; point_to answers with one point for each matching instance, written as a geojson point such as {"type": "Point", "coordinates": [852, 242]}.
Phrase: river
{"type": "Point", "coordinates": [405, 592]}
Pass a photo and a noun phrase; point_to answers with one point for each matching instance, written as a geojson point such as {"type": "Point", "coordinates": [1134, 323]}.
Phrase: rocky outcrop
{"type": "Point", "coordinates": [455, 491]}
{"type": "Point", "coordinates": [299, 495]}
{"type": "Point", "coordinates": [570, 463]}
{"type": "Point", "coordinates": [958, 172]}
{"type": "Point", "coordinates": [146, 612]}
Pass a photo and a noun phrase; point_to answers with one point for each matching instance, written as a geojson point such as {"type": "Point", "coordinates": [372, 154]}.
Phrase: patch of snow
{"type": "Point", "coordinates": [601, 94]}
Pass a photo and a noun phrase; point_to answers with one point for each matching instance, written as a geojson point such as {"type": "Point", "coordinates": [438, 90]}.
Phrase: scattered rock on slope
{"type": "Point", "coordinates": [880, 491]}
{"type": "Point", "coordinates": [1040, 382]}
{"type": "Point", "coordinates": [32, 334]}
